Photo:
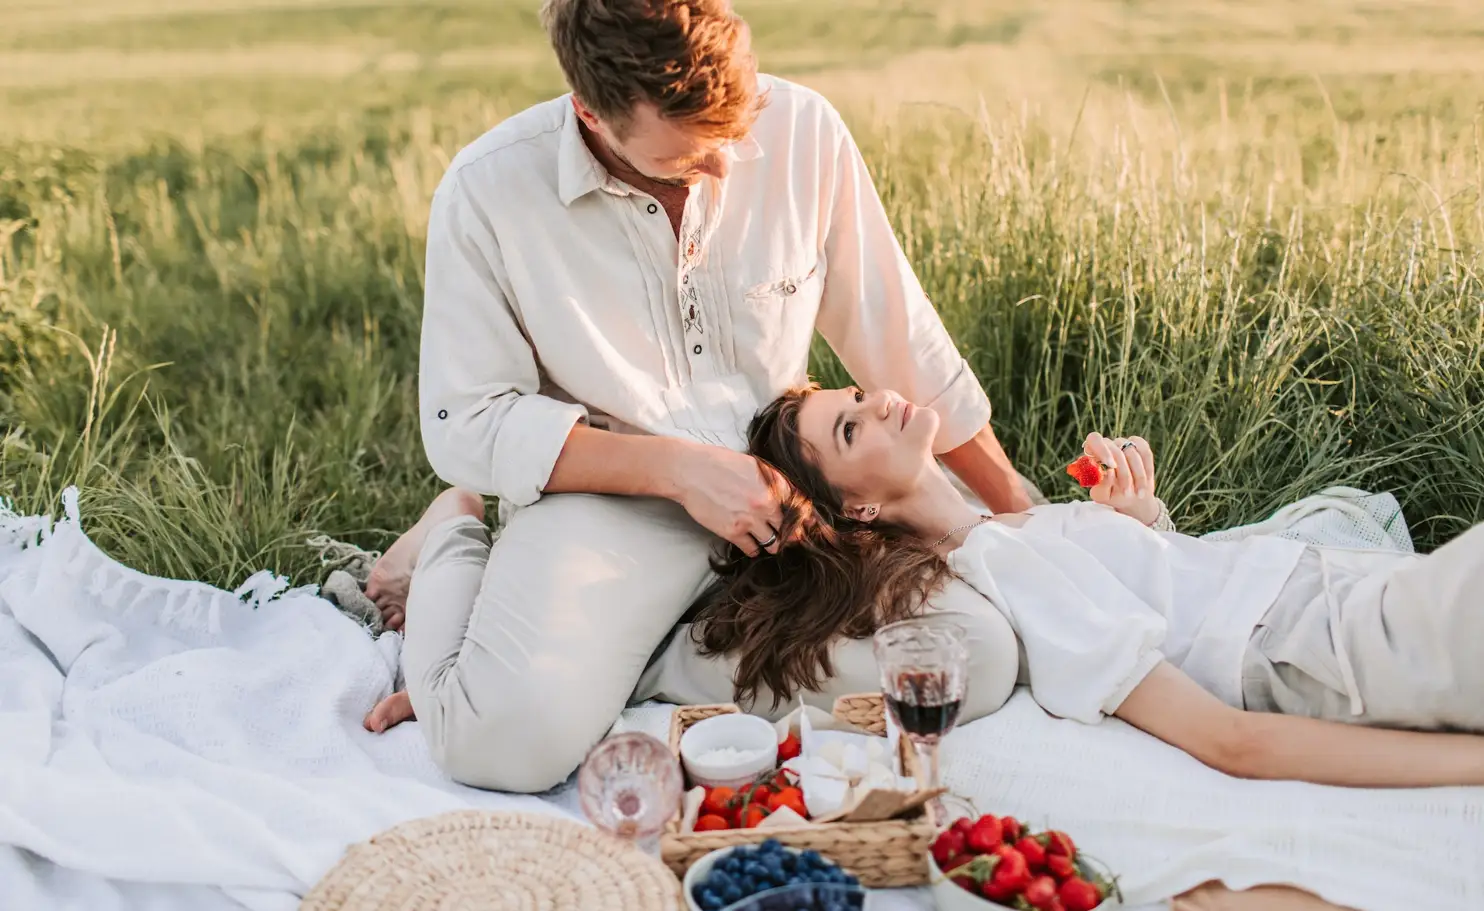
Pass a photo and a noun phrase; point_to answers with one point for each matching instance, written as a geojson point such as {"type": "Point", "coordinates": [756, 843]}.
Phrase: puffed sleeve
{"type": "Point", "coordinates": [1088, 639]}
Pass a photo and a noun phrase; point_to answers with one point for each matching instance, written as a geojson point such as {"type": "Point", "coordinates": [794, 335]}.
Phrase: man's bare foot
{"type": "Point", "coordinates": [391, 576]}
{"type": "Point", "coordinates": [390, 712]}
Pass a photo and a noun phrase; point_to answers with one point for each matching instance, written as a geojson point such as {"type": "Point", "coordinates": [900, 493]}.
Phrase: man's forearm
{"type": "Point", "coordinates": [625, 464]}
{"type": "Point", "coordinates": [982, 465]}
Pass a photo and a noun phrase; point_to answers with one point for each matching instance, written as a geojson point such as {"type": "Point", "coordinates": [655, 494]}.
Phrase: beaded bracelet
{"type": "Point", "coordinates": [1163, 522]}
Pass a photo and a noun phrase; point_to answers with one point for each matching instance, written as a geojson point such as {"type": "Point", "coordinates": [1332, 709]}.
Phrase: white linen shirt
{"type": "Point", "coordinates": [1098, 599]}
{"type": "Point", "coordinates": [556, 293]}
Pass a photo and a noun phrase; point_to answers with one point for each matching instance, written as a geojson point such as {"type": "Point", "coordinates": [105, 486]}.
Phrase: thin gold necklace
{"type": "Point", "coordinates": [939, 543]}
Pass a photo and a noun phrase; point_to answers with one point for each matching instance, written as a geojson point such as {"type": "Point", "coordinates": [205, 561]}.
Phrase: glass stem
{"type": "Point", "coordinates": [927, 761]}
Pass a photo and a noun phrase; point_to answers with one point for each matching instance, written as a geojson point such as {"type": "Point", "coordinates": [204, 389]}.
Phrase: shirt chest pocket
{"type": "Point", "coordinates": [779, 315]}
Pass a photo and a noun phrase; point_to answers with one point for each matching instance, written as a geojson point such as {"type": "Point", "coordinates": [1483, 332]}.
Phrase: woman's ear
{"type": "Point", "coordinates": [866, 512]}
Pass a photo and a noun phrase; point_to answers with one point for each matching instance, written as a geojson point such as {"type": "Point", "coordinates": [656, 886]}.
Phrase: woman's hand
{"type": "Point", "coordinates": [1128, 486]}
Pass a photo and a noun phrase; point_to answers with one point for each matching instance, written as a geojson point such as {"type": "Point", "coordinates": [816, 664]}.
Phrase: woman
{"type": "Point", "coordinates": [1117, 613]}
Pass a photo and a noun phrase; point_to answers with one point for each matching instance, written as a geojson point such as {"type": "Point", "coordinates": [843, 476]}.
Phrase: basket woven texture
{"type": "Point", "coordinates": [882, 854]}
{"type": "Point", "coordinates": [472, 860]}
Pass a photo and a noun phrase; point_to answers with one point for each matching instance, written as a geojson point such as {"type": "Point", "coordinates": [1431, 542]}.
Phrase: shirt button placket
{"type": "Point", "coordinates": [688, 300]}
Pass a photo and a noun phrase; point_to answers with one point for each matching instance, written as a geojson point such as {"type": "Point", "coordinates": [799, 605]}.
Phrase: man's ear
{"type": "Point", "coordinates": [585, 114]}
{"type": "Point", "coordinates": [864, 512]}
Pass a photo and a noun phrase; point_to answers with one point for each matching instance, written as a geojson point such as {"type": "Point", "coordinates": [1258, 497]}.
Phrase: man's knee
{"type": "Point", "coordinates": [523, 744]}
{"type": "Point", "coordinates": [521, 762]}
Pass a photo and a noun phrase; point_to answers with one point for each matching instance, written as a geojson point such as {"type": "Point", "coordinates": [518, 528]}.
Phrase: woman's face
{"type": "Point", "coordinates": [874, 448]}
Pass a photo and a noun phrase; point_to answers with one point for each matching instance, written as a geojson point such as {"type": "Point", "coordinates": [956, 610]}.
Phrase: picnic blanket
{"type": "Point", "coordinates": [166, 745]}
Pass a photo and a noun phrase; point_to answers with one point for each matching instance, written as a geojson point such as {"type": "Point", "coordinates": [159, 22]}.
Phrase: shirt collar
{"type": "Point", "coordinates": [579, 172]}
{"type": "Point", "coordinates": [745, 149]}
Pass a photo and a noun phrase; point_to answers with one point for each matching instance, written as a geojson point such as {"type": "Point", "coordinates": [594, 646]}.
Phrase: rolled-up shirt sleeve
{"type": "Point", "coordinates": [875, 315]}
{"type": "Point", "coordinates": [484, 424]}
{"type": "Point", "coordinates": [1089, 640]}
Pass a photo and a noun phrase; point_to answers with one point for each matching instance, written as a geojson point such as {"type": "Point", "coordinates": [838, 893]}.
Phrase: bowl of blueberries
{"type": "Point", "coordinates": [770, 877]}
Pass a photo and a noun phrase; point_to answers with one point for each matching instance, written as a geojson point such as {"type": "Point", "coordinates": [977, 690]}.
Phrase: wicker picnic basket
{"type": "Point", "coordinates": [881, 854]}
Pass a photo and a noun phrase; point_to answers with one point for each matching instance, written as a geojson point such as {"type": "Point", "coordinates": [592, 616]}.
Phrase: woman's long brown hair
{"type": "Point", "coordinates": [780, 614]}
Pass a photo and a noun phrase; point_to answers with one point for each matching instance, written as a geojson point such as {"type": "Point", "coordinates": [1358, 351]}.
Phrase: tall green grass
{"type": "Point", "coordinates": [217, 339]}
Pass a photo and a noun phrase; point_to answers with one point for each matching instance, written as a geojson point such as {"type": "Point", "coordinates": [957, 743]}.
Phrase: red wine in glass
{"type": "Point", "coordinates": [924, 678]}
{"type": "Point", "coordinates": [919, 714]}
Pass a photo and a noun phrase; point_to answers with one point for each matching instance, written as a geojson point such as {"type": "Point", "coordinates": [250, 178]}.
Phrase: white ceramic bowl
{"type": "Point", "coordinates": [947, 896]}
{"type": "Point", "coordinates": [950, 897]}
{"type": "Point", "coordinates": [699, 871]}
{"type": "Point", "coordinates": [702, 868]}
{"type": "Point", "coordinates": [745, 733]}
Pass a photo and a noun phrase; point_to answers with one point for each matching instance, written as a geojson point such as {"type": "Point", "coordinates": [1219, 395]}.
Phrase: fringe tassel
{"type": "Point", "coordinates": [63, 552]}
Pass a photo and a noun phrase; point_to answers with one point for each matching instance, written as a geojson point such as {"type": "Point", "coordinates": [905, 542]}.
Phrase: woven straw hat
{"type": "Point", "coordinates": [473, 860]}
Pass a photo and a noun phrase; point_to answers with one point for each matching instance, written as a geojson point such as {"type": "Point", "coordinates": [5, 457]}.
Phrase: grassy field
{"type": "Point", "coordinates": [1250, 231]}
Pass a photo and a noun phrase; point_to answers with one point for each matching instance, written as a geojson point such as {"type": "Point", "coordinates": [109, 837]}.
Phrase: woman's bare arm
{"type": "Point", "coordinates": [1174, 708]}
{"type": "Point", "coordinates": [1214, 896]}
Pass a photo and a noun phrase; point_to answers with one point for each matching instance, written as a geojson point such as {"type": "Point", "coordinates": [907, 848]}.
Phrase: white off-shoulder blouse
{"type": "Point", "coordinates": [1098, 599]}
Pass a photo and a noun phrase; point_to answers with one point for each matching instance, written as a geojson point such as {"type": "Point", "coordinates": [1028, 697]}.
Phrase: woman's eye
{"type": "Point", "coordinates": [860, 396]}
{"type": "Point", "coordinates": [849, 432]}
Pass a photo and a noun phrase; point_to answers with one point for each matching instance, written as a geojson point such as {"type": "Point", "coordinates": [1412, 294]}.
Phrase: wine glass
{"type": "Point", "coordinates": [924, 677]}
{"type": "Point", "coordinates": [630, 786]}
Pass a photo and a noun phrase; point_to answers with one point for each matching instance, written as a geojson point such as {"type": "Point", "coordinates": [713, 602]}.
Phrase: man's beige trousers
{"type": "Point", "coordinates": [520, 655]}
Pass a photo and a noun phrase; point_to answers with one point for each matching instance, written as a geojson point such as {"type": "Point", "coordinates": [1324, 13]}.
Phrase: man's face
{"type": "Point", "coordinates": [665, 152]}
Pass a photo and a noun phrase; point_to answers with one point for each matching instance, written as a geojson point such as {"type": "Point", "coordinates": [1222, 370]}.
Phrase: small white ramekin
{"type": "Point", "coordinates": [735, 730]}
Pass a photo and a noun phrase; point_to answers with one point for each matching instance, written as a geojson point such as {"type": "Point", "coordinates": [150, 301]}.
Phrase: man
{"type": "Point", "coordinates": [617, 280]}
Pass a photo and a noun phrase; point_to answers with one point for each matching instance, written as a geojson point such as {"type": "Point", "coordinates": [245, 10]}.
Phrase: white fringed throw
{"type": "Point", "coordinates": [170, 746]}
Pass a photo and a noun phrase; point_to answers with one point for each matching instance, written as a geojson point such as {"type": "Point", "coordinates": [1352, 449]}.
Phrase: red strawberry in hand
{"type": "Point", "coordinates": [1060, 866]}
{"type": "Point", "coordinates": [1087, 472]}
{"type": "Point", "coordinates": [1041, 892]}
{"type": "Point", "coordinates": [1077, 894]}
{"type": "Point", "coordinates": [790, 747]}
{"type": "Point", "coordinates": [985, 836]}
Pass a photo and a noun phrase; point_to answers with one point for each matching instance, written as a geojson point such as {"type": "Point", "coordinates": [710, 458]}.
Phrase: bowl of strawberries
{"type": "Point", "coordinates": [995, 862]}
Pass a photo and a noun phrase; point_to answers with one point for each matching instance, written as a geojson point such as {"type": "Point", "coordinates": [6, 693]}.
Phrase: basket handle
{"type": "Point", "coordinates": [866, 711]}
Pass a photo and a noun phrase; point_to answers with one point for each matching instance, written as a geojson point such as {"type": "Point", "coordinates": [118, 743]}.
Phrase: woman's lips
{"type": "Point", "coordinates": [907, 409]}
